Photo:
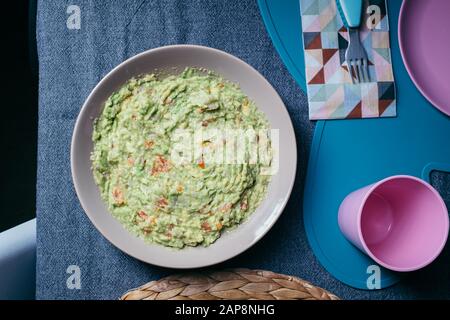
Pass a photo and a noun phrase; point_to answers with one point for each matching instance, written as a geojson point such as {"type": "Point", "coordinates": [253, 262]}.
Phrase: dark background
{"type": "Point", "coordinates": [18, 114]}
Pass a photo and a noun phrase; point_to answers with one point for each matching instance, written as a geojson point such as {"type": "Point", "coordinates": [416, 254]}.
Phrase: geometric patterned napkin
{"type": "Point", "coordinates": [331, 94]}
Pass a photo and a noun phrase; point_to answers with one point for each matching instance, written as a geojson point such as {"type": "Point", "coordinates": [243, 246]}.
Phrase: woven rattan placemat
{"type": "Point", "coordinates": [230, 284]}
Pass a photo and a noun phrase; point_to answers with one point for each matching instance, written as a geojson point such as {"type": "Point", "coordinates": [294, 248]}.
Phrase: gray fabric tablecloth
{"type": "Point", "coordinates": [71, 62]}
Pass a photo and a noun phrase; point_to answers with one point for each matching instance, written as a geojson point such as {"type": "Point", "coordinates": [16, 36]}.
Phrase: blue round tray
{"type": "Point", "coordinates": [349, 154]}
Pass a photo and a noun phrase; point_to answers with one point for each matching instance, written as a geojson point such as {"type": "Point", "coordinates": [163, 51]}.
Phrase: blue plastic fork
{"type": "Point", "coordinates": [355, 56]}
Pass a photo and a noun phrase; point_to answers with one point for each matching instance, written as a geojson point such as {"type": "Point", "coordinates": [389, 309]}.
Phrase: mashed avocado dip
{"type": "Point", "coordinates": [166, 202]}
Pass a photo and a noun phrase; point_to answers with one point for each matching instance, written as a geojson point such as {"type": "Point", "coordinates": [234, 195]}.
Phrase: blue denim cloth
{"type": "Point", "coordinates": [71, 62]}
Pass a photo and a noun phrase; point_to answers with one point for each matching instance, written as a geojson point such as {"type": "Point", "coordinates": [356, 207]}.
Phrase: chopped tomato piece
{"type": "Point", "coordinates": [226, 207]}
{"type": "Point", "coordinates": [148, 144]}
{"type": "Point", "coordinates": [142, 214]}
{"type": "Point", "coordinates": [206, 226]}
{"type": "Point", "coordinates": [118, 196]}
{"type": "Point", "coordinates": [160, 165]}
{"type": "Point", "coordinates": [162, 203]}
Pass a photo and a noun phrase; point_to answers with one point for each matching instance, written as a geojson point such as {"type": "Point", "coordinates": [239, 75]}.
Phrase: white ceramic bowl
{"type": "Point", "coordinates": [231, 243]}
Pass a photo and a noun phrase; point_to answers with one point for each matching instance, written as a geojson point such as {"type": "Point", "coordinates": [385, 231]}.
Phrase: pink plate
{"type": "Point", "coordinates": [424, 35]}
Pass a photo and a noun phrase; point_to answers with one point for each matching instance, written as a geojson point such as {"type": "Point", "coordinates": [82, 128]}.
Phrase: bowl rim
{"type": "Point", "coordinates": [74, 172]}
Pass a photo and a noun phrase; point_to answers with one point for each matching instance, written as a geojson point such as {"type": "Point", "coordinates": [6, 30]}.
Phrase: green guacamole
{"type": "Point", "coordinates": [153, 196]}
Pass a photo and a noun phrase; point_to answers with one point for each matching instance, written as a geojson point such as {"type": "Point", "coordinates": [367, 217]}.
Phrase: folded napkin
{"type": "Point", "coordinates": [331, 94]}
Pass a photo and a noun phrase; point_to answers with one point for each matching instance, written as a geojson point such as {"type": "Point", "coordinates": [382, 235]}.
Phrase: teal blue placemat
{"type": "Point", "coordinates": [348, 154]}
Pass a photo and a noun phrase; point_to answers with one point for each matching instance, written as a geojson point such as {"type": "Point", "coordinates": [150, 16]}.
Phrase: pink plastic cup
{"type": "Point", "coordinates": [401, 222]}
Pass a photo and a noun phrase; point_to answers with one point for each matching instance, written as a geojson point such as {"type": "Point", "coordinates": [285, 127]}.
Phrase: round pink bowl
{"type": "Point", "coordinates": [401, 222]}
